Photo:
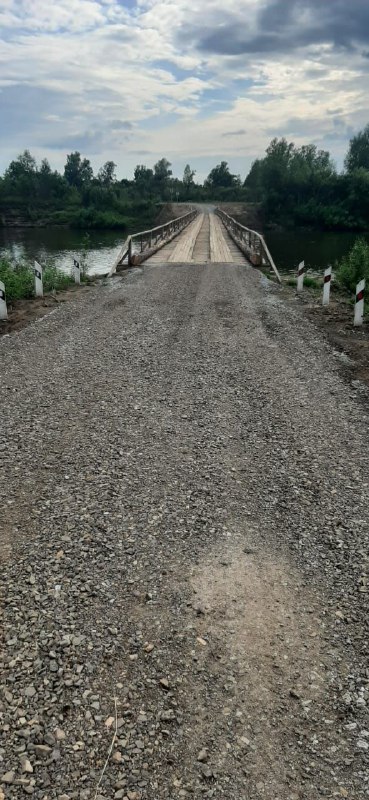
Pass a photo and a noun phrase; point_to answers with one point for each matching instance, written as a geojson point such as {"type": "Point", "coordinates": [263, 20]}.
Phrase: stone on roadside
{"type": "Point", "coordinates": [8, 777]}
{"type": "Point", "coordinates": [26, 765]}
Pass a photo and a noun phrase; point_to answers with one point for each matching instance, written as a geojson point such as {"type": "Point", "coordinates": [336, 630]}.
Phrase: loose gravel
{"type": "Point", "coordinates": [184, 548]}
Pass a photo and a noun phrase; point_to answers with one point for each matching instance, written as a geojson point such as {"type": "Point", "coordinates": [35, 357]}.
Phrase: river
{"type": "Point", "coordinates": [317, 249]}
{"type": "Point", "coordinates": [60, 245]}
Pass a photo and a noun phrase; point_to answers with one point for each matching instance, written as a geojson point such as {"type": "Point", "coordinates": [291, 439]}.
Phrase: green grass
{"type": "Point", "coordinates": [19, 280]}
{"type": "Point", "coordinates": [309, 282]}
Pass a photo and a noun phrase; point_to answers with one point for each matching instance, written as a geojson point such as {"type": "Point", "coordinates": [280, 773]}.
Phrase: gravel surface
{"type": "Point", "coordinates": [184, 548]}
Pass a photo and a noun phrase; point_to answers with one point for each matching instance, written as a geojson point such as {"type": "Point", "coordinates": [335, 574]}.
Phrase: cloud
{"type": "Point", "coordinates": [280, 26]}
{"type": "Point", "coordinates": [170, 77]}
{"type": "Point", "coordinates": [240, 132]}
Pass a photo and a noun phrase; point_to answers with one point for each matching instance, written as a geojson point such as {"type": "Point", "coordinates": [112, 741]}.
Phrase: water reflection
{"type": "Point", "coordinates": [61, 245]}
{"type": "Point", "coordinates": [318, 250]}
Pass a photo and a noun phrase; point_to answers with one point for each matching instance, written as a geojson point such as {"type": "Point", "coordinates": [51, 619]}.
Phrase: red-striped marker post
{"type": "Point", "coordinates": [3, 306]}
{"type": "Point", "coordinates": [327, 286]}
{"type": "Point", "coordinates": [300, 276]}
{"type": "Point", "coordinates": [359, 303]}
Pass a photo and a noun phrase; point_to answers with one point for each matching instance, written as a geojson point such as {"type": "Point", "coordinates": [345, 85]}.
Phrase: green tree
{"type": "Point", "coordinates": [106, 174]}
{"type": "Point", "coordinates": [77, 171]}
{"type": "Point", "coordinates": [25, 164]}
{"type": "Point", "coordinates": [51, 187]}
{"type": "Point", "coordinates": [162, 175]}
{"type": "Point", "coordinates": [358, 152]}
{"type": "Point", "coordinates": [188, 178]}
{"type": "Point", "coordinates": [221, 177]}
{"type": "Point", "coordinates": [143, 177]}
{"type": "Point", "coordinates": [254, 181]}
{"type": "Point", "coordinates": [20, 179]}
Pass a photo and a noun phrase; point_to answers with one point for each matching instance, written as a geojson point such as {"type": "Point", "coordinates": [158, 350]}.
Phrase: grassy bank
{"type": "Point", "coordinates": [19, 280]}
{"type": "Point", "coordinates": [347, 272]}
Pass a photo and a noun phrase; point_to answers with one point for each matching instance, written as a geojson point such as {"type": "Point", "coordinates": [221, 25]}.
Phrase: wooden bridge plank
{"type": "Point", "coordinates": [181, 250]}
{"type": "Point", "coordinates": [219, 250]}
{"type": "Point", "coordinates": [182, 253]}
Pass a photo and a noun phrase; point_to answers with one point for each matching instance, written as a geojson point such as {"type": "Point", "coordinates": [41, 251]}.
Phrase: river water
{"type": "Point", "coordinates": [317, 249]}
{"type": "Point", "coordinates": [60, 245]}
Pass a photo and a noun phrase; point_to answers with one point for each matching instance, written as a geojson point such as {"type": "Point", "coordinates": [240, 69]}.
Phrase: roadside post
{"type": "Point", "coordinates": [300, 276]}
{"type": "Point", "coordinates": [76, 271]}
{"type": "Point", "coordinates": [3, 306]}
{"type": "Point", "coordinates": [327, 286]}
{"type": "Point", "coordinates": [39, 287]}
{"type": "Point", "coordinates": [359, 303]}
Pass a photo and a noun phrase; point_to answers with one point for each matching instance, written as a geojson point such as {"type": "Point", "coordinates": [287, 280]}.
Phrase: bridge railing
{"type": "Point", "coordinates": [250, 242]}
{"type": "Point", "coordinates": [138, 247]}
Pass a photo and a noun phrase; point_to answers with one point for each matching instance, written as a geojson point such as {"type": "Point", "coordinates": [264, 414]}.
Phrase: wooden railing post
{"type": "Point", "coordinates": [249, 240]}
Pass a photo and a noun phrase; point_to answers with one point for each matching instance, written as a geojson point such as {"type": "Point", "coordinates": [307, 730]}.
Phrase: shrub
{"type": "Point", "coordinates": [89, 218]}
{"type": "Point", "coordinates": [17, 279]}
{"type": "Point", "coordinates": [60, 217]}
{"type": "Point", "coordinates": [55, 280]}
{"type": "Point", "coordinates": [355, 266]}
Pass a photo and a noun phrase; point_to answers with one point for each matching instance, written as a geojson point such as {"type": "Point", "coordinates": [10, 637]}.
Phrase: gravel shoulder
{"type": "Point", "coordinates": [184, 547]}
{"type": "Point", "coordinates": [24, 312]}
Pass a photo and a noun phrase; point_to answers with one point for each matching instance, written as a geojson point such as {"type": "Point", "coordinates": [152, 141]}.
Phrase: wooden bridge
{"type": "Point", "coordinates": [198, 237]}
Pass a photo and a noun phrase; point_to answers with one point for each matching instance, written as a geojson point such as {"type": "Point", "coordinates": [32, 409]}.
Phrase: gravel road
{"type": "Point", "coordinates": [184, 548]}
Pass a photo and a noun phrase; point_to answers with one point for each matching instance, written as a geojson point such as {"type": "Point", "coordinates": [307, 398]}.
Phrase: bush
{"type": "Point", "coordinates": [355, 266]}
{"type": "Point", "coordinates": [89, 218]}
{"type": "Point", "coordinates": [19, 280]}
{"type": "Point", "coordinates": [55, 280]}
{"type": "Point", "coordinates": [60, 217]}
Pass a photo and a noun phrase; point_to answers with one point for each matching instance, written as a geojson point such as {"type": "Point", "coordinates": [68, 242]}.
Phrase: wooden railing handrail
{"type": "Point", "coordinates": [238, 226]}
{"type": "Point", "coordinates": [174, 225]}
{"type": "Point", "coordinates": [164, 225]}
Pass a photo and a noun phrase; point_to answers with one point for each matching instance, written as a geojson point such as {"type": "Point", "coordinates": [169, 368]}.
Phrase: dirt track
{"type": "Point", "coordinates": [184, 472]}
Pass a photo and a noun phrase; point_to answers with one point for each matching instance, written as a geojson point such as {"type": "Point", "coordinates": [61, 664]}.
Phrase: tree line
{"type": "Point", "coordinates": [300, 186]}
{"type": "Point", "coordinates": [291, 186]}
{"type": "Point", "coordinates": [79, 198]}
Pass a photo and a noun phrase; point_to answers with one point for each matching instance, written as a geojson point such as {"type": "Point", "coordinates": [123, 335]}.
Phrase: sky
{"type": "Point", "coordinates": [196, 81]}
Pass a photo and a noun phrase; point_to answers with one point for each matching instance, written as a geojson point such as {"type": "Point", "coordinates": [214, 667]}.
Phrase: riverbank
{"type": "Point", "coordinates": [24, 312]}
{"type": "Point", "coordinates": [80, 218]}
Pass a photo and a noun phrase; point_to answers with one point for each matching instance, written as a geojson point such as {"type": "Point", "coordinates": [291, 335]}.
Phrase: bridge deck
{"type": "Point", "coordinates": [204, 240]}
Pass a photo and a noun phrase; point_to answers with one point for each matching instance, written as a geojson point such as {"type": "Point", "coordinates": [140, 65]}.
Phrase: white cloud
{"type": "Point", "coordinates": [181, 76]}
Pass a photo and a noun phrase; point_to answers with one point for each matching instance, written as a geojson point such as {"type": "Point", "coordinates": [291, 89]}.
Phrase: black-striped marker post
{"type": "Point", "coordinates": [76, 271]}
{"type": "Point", "coordinates": [3, 306]}
{"type": "Point", "coordinates": [359, 303]}
{"type": "Point", "coordinates": [39, 286]}
{"type": "Point", "coordinates": [327, 286]}
{"type": "Point", "coordinates": [300, 276]}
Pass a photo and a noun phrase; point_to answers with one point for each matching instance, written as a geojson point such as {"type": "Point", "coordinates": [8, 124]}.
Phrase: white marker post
{"type": "Point", "coordinates": [359, 303]}
{"type": "Point", "coordinates": [327, 286]}
{"type": "Point", "coordinates": [300, 276]}
{"type": "Point", "coordinates": [76, 271]}
{"type": "Point", "coordinates": [39, 286]}
{"type": "Point", "coordinates": [3, 306]}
